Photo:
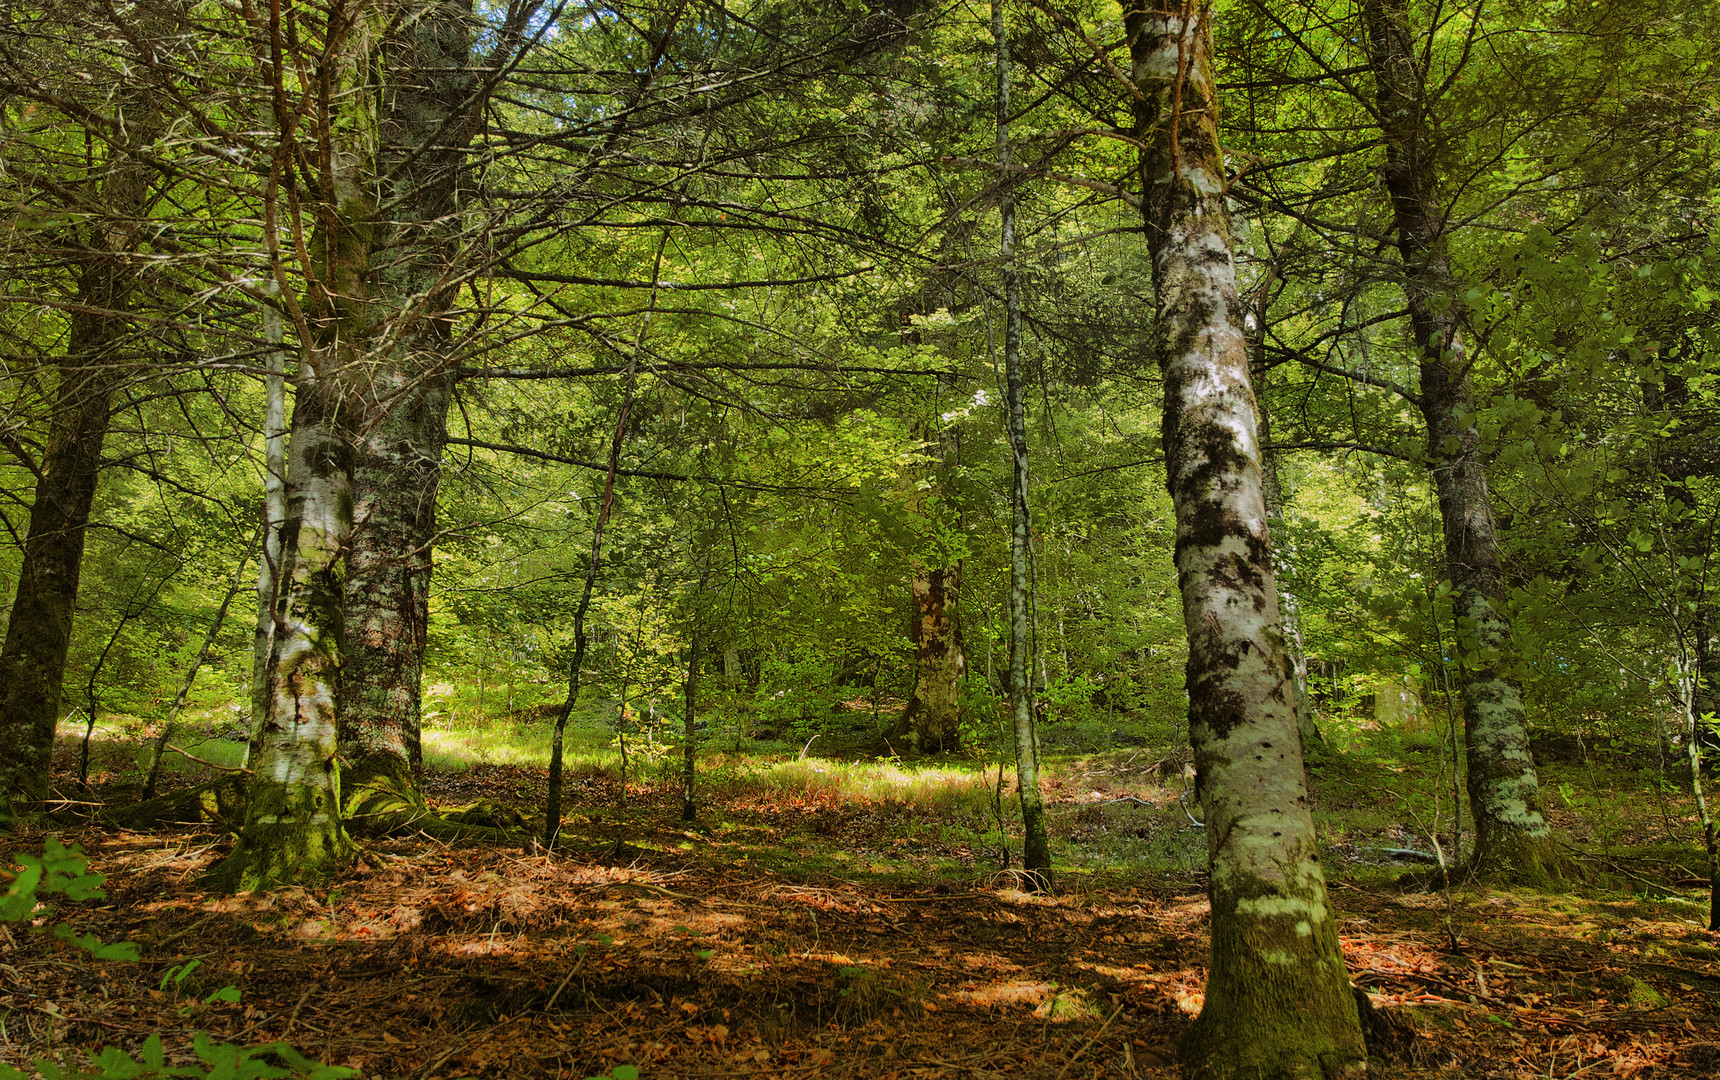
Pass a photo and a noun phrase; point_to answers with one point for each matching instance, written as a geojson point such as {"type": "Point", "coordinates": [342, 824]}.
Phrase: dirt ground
{"type": "Point", "coordinates": [691, 958]}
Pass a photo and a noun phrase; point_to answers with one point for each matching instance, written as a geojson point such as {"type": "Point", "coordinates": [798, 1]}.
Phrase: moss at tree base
{"type": "Point", "coordinates": [1265, 1051]}
{"type": "Point", "coordinates": [292, 836]}
{"type": "Point", "coordinates": [1514, 857]}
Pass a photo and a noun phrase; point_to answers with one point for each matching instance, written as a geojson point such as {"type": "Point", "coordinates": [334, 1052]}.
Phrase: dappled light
{"type": "Point", "coordinates": [1021, 541]}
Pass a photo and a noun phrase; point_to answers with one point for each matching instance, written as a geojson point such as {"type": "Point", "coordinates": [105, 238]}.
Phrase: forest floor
{"type": "Point", "coordinates": [804, 930]}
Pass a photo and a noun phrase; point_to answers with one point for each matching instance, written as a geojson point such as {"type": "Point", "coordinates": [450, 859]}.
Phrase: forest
{"type": "Point", "coordinates": [617, 539]}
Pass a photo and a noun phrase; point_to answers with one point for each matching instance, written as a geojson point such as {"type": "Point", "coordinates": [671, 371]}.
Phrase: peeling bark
{"type": "Point", "coordinates": [1278, 998]}
{"type": "Point", "coordinates": [1512, 839]}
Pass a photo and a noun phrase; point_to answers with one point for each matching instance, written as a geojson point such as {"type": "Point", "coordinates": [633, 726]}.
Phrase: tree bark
{"type": "Point", "coordinates": [292, 831]}
{"type": "Point", "coordinates": [932, 721]}
{"type": "Point", "coordinates": [39, 630]}
{"type": "Point", "coordinates": [1278, 999]}
{"type": "Point", "coordinates": [274, 517]}
{"type": "Point", "coordinates": [396, 476]}
{"type": "Point", "coordinates": [1036, 847]}
{"type": "Point", "coordinates": [431, 108]}
{"type": "Point", "coordinates": [1512, 839]}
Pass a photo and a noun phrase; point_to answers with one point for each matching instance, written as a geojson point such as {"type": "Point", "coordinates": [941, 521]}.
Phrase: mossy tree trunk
{"type": "Point", "coordinates": [1035, 845]}
{"type": "Point", "coordinates": [39, 629]}
{"type": "Point", "coordinates": [1278, 997]}
{"type": "Point", "coordinates": [432, 107]}
{"type": "Point", "coordinates": [292, 830]}
{"type": "Point", "coordinates": [932, 721]}
{"type": "Point", "coordinates": [1512, 839]}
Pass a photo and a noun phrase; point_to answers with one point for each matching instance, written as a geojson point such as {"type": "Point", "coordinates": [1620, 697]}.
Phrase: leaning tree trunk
{"type": "Point", "coordinates": [1278, 998]}
{"type": "Point", "coordinates": [1512, 839]}
{"type": "Point", "coordinates": [39, 630]}
{"type": "Point", "coordinates": [430, 112]}
{"type": "Point", "coordinates": [932, 721]}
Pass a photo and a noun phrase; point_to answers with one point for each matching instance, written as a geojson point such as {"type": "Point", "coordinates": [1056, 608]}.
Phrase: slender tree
{"type": "Point", "coordinates": [1036, 848]}
{"type": "Point", "coordinates": [1278, 999]}
{"type": "Point", "coordinates": [110, 204]}
{"type": "Point", "coordinates": [1511, 833]}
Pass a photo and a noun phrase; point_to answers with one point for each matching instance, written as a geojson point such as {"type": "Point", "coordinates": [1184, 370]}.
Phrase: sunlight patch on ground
{"type": "Point", "coordinates": [1014, 992]}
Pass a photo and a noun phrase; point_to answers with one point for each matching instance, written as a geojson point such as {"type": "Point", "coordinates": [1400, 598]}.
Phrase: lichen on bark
{"type": "Point", "coordinates": [1278, 998]}
{"type": "Point", "coordinates": [1512, 840]}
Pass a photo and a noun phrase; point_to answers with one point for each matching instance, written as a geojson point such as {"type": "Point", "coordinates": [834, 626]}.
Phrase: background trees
{"type": "Point", "coordinates": [757, 254]}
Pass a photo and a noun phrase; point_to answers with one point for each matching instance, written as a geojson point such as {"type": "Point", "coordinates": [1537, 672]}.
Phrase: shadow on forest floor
{"type": "Point", "coordinates": [803, 932]}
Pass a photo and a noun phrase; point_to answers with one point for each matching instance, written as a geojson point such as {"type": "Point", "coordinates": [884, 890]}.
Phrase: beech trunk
{"type": "Point", "coordinates": [1512, 839]}
{"type": "Point", "coordinates": [292, 830]}
{"type": "Point", "coordinates": [1278, 998]}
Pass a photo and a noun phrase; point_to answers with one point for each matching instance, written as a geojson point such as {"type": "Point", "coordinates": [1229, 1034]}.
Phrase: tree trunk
{"type": "Point", "coordinates": [292, 831]}
{"type": "Point", "coordinates": [932, 721]}
{"type": "Point", "coordinates": [395, 480]}
{"type": "Point", "coordinates": [1036, 847]}
{"type": "Point", "coordinates": [39, 630]}
{"type": "Point", "coordinates": [1512, 839]}
{"type": "Point", "coordinates": [1289, 608]}
{"type": "Point", "coordinates": [274, 517]}
{"type": "Point", "coordinates": [430, 111]}
{"type": "Point", "coordinates": [1278, 998]}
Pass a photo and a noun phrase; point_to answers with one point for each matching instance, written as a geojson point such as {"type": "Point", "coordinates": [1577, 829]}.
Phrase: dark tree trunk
{"type": "Point", "coordinates": [430, 111]}
{"type": "Point", "coordinates": [39, 631]}
{"type": "Point", "coordinates": [1278, 998]}
{"type": "Point", "coordinates": [1512, 839]}
{"type": "Point", "coordinates": [395, 480]}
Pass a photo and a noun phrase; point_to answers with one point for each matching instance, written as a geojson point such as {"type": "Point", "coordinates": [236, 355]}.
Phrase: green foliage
{"type": "Point", "coordinates": [60, 870]}
{"type": "Point", "coordinates": [64, 870]}
{"type": "Point", "coordinates": [219, 1061]}
{"type": "Point", "coordinates": [620, 1072]}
